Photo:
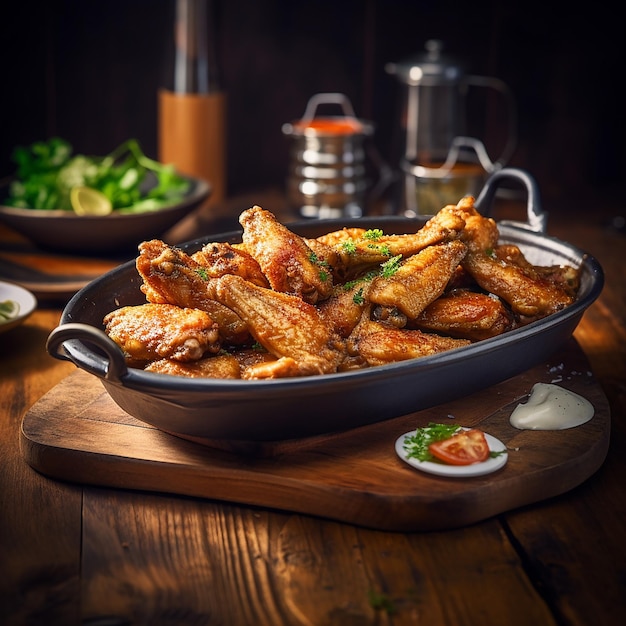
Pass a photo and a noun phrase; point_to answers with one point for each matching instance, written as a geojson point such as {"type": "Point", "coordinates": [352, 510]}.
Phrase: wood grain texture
{"type": "Point", "coordinates": [45, 574]}
{"type": "Point", "coordinates": [77, 433]}
{"type": "Point", "coordinates": [180, 560]}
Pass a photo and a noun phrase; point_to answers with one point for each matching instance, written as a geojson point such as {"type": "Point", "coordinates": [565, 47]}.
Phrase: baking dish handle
{"type": "Point", "coordinates": [537, 218]}
{"type": "Point", "coordinates": [116, 367]}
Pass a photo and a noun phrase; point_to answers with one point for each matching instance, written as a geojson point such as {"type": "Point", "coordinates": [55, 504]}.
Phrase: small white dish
{"type": "Point", "coordinates": [457, 471]}
{"type": "Point", "coordinates": [26, 303]}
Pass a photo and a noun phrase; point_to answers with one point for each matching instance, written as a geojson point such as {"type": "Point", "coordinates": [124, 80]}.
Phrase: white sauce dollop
{"type": "Point", "coordinates": [551, 407]}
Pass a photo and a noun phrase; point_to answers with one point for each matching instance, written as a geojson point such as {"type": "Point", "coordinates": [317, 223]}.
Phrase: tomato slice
{"type": "Point", "coordinates": [464, 448]}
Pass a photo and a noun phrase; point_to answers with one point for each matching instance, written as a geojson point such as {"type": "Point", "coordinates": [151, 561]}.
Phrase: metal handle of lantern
{"type": "Point", "coordinates": [327, 98]}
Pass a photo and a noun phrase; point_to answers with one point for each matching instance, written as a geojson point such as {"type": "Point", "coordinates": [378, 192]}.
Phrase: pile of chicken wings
{"type": "Point", "coordinates": [279, 305]}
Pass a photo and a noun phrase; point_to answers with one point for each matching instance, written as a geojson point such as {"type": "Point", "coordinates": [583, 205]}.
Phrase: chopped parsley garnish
{"type": "Point", "coordinates": [323, 275]}
{"type": "Point", "coordinates": [358, 298]}
{"type": "Point", "coordinates": [416, 445]}
{"type": "Point", "coordinates": [315, 259]}
{"type": "Point", "coordinates": [390, 267]}
{"type": "Point", "coordinates": [201, 271]}
{"type": "Point", "coordinates": [349, 246]}
{"type": "Point", "coordinates": [373, 234]}
{"type": "Point", "coordinates": [387, 269]}
{"type": "Point", "coordinates": [384, 249]}
{"type": "Point", "coordinates": [362, 279]}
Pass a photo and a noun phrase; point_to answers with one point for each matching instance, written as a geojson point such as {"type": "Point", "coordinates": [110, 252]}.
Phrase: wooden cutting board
{"type": "Point", "coordinates": [50, 276]}
{"type": "Point", "coordinates": [77, 433]}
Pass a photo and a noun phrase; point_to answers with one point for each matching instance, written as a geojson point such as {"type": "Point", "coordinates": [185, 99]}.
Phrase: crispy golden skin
{"type": "Point", "coordinates": [153, 331]}
{"type": "Point", "coordinates": [223, 258]}
{"type": "Point", "coordinates": [467, 315]}
{"type": "Point", "coordinates": [419, 280]}
{"type": "Point", "coordinates": [284, 324]}
{"type": "Point", "coordinates": [342, 311]}
{"type": "Point", "coordinates": [337, 238]}
{"type": "Point", "coordinates": [219, 366]}
{"type": "Point", "coordinates": [564, 276]}
{"type": "Point", "coordinates": [374, 343]}
{"type": "Point", "coordinates": [288, 263]}
{"type": "Point", "coordinates": [529, 294]}
{"type": "Point", "coordinates": [169, 275]}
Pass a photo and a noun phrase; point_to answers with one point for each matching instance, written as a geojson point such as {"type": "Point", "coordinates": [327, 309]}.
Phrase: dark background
{"type": "Point", "coordinates": [90, 72]}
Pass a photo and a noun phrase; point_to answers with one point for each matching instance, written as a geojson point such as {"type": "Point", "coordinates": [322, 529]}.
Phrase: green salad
{"type": "Point", "coordinates": [126, 179]}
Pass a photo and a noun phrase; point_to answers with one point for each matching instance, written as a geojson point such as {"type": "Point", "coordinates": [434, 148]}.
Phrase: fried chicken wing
{"type": "Point", "coordinates": [528, 293]}
{"type": "Point", "coordinates": [419, 280]}
{"type": "Point", "coordinates": [358, 248]}
{"type": "Point", "coordinates": [374, 343]}
{"type": "Point", "coordinates": [564, 276]}
{"type": "Point", "coordinates": [153, 331]}
{"type": "Point", "coordinates": [467, 315]}
{"type": "Point", "coordinates": [172, 276]}
{"type": "Point", "coordinates": [288, 263]}
{"type": "Point", "coordinates": [521, 285]}
{"type": "Point", "coordinates": [283, 324]}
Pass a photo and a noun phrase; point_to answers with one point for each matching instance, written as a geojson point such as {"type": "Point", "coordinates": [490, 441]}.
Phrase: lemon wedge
{"type": "Point", "coordinates": [88, 201]}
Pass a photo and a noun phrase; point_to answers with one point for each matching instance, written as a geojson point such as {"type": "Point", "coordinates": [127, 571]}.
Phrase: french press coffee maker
{"type": "Point", "coordinates": [439, 163]}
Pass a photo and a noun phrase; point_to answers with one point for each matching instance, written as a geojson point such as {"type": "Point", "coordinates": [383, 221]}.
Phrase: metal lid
{"type": "Point", "coordinates": [312, 125]}
{"type": "Point", "coordinates": [431, 67]}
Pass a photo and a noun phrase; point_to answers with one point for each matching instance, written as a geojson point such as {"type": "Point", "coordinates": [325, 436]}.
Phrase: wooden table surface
{"type": "Point", "coordinates": [72, 554]}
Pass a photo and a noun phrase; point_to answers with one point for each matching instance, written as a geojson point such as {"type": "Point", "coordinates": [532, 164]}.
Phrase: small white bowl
{"type": "Point", "coordinates": [26, 302]}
